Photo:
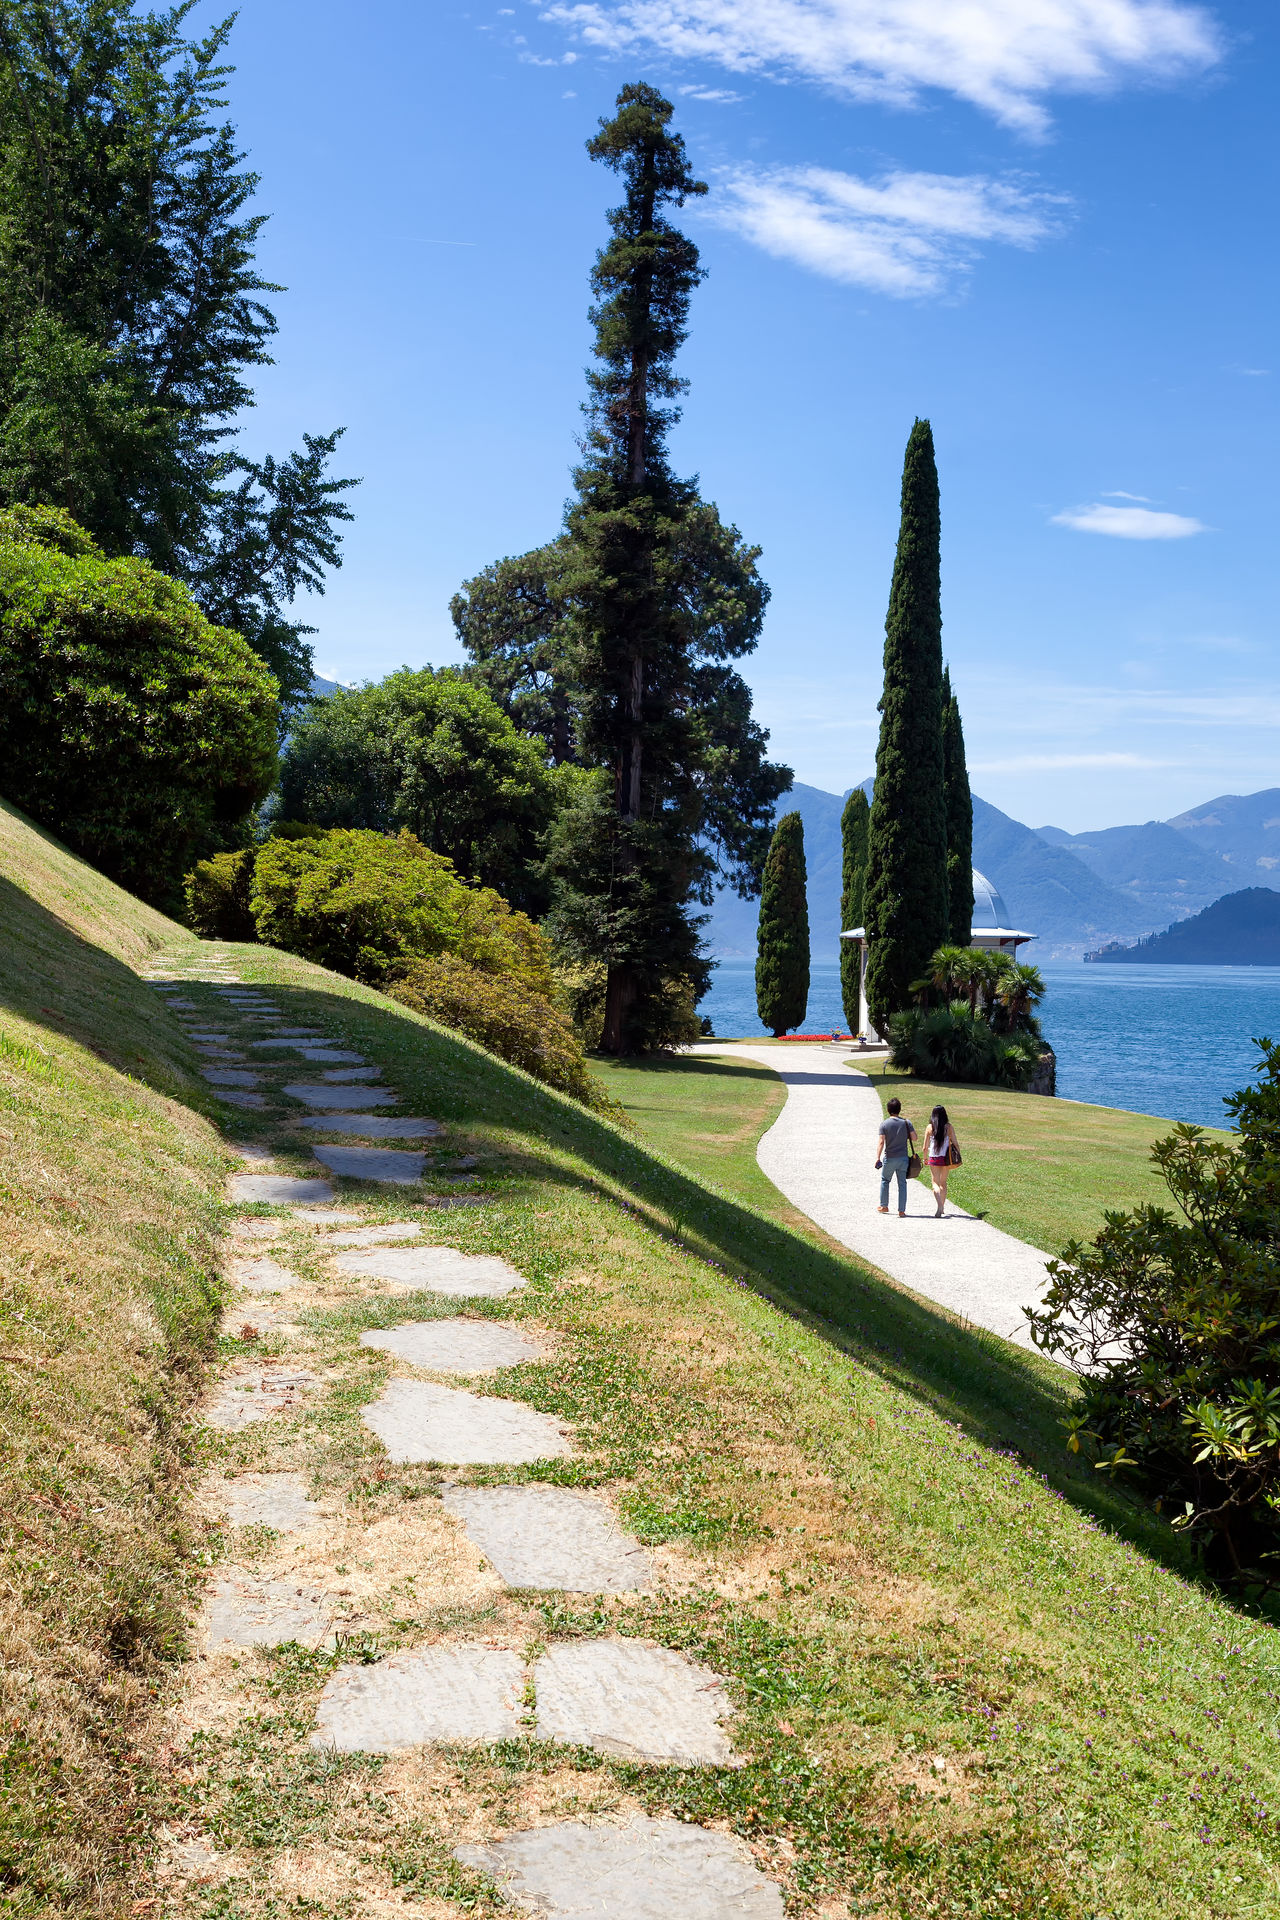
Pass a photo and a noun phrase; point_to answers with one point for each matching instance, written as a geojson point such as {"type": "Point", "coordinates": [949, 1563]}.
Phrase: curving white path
{"type": "Point", "coordinates": [820, 1152]}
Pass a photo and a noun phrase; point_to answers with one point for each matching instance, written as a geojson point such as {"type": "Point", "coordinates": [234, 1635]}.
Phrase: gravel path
{"type": "Point", "coordinates": [820, 1152]}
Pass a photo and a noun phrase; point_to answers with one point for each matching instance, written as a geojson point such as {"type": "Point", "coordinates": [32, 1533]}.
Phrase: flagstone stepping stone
{"type": "Point", "coordinates": [215, 1053]}
{"type": "Point", "coordinates": [244, 1611]}
{"type": "Point", "coordinates": [231, 1098]}
{"type": "Point", "coordinates": [282, 1042]}
{"type": "Point", "coordinates": [373, 1126]}
{"type": "Point", "coordinates": [374, 1236]}
{"type": "Point", "coordinates": [276, 1189]}
{"type": "Point", "coordinates": [325, 1217]}
{"type": "Point", "coordinates": [230, 1076]}
{"type": "Point", "coordinates": [436, 1270]}
{"type": "Point", "coordinates": [262, 1276]}
{"type": "Point", "coordinates": [645, 1870]}
{"type": "Point", "coordinates": [373, 1163]}
{"type": "Point", "coordinates": [275, 1500]}
{"type": "Point", "coordinates": [210, 1039]}
{"type": "Point", "coordinates": [547, 1536]}
{"type": "Point", "coordinates": [418, 1699]}
{"type": "Point", "coordinates": [185, 1006]}
{"type": "Point", "coordinates": [243, 1320]}
{"type": "Point", "coordinates": [417, 1421]}
{"type": "Point", "coordinates": [331, 1056]}
{"type": "Point", "coordinates": [346, 1076]}
{"type": "Point", "coordinates": [243, 1399]}
{"type": "Point", "coordinates": [251, 1151]}
{"type": "Point", "coordinates": [635, 1701]}
{"type": "Point", "coordinates": [455, 1346]}
{"type": "Point", "coordinates": [258, 1229]}
{"type": "Point", "coordinates": [314, 1094]}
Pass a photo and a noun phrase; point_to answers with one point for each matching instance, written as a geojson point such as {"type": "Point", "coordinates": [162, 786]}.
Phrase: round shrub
{"type": "Point", "coordinates": [217, 895]}
{"type": "Point", "coordinates": [129, 725]}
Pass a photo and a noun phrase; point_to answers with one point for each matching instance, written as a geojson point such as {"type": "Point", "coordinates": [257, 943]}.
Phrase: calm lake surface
{"type": "Point", "coordinates": [1165, 1040]}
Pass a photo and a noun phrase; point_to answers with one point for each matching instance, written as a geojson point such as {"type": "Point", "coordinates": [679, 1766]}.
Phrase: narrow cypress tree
{"type": "Point", "coordinates": [854, 822]}
{"type": "Point", "coordinates": [782, 943]}
{"type": "Point", "coordinates": [905, 907]}
{"type": "Point", "coordinates": [959, 819]}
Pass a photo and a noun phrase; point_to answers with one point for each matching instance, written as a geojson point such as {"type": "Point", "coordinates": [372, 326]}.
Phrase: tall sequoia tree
{"type": "Point", "coordinates": [782, 939]}
{"type": "Point", "coordinates": [905, 907]}
{"type": "Point", "coordinates": [855, 822]}
{"type": "Point", "coordinates": [131, 311]}
{"type": "Point", "coordinates": [613, 641]}
{"type": "Point", "coordinates": [959, 802]}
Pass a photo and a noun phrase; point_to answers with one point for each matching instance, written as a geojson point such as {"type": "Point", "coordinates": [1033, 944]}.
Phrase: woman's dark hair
{"type": "Point", "coordinates": [895, 1106]}
{"type": "Point", "coordinates": [939, 1122]}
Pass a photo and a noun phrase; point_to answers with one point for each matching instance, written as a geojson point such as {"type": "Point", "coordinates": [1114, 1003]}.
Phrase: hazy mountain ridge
{"type": "Point", "coordinates": [1240, 930]}
{"type": "Point", "coordinates": [1074, 892]}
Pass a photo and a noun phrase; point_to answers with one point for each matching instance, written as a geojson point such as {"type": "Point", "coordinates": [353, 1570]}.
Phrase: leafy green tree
{"type": "Point", "coordinates": [854, 824]}
{"type": "Point", "coordinates": [129, 725]}
{"type": "Point", "coordinates": [131, 313]}
{"type": "Point", "coordinates": [431, 752]}
{"type": "Point", "coordinates": [614, 641]}
{"type": "Point", "coordinates": [959, 807]}
{"type": "Point", "coordinates": [782, 938]}
{"type": "Point", "coordinates": [905, 908]}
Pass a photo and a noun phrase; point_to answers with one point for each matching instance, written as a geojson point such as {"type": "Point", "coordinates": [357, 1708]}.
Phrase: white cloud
{"type": "Point", "coordinates": [904, 234]}
{"type": "Point", "coordinates": [722, 95]}
{"type": "Point", "coordinates": [1118, 493]}
{"type": "Point", "coordinates": [1000, 55]}
{"type": "Point", "coordinates": [1129, 523]}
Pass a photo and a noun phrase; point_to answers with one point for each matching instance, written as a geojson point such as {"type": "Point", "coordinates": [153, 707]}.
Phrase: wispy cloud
{"type": "Point", "coordinates": [1129, 523]}
{"type": "Point", "coordinates": [723, 96]}
{"type": "Point", "coordinates": [1001, 55]}
{"type": "Point", "coordinates": [1118, 493]}
{"type": "Point", "coordinates": [903, 234]}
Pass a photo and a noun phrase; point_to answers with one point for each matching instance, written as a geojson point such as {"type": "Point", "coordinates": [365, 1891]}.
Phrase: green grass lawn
{"type": "Point", "coordinates": [972, 1678]}
{"type": "Point", "coordinates": [1045, 1170]}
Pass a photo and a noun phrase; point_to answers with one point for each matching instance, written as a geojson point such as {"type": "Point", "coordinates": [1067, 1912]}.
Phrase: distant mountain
{"type": "Point", "coordinates": [1047, 889]}
{"type": "Point", "coordinates": [1157, 867]}
{"type": "Point", "coordinates": [1242, 829]}
{"type": "Point", "coordinates": [1240, 930]}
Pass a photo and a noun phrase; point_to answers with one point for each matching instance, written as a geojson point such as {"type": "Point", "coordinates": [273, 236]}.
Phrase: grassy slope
{"type": "Point", "coordinates": [905, 1586]}
{"type": "Point", "coordinates": [107, 1170]}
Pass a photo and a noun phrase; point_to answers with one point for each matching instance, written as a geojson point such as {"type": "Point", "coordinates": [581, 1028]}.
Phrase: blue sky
{"type": "Point", "coordinates": [1047, 225]}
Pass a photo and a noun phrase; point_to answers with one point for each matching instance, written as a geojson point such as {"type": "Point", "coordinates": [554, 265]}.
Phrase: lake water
{"type": "Point", "coordinates": [1165, 1040]}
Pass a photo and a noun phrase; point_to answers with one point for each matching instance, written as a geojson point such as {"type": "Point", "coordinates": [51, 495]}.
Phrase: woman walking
{"type": "Point", "coordinates": [894, 1150]}
{"type": "Point", "coordinates": [942, 1151]}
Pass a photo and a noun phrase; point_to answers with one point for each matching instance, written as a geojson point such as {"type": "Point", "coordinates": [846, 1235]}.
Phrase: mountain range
{"type": "Point", "coordinates": [1074, 892]}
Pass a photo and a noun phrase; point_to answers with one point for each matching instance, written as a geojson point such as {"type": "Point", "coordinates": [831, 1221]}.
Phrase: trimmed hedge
{"type": "Point", "coordinates": [130, 726]}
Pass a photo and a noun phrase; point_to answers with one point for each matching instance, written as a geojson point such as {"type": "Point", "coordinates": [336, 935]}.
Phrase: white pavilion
{"type": "Point", "coordinates": [991, 930]}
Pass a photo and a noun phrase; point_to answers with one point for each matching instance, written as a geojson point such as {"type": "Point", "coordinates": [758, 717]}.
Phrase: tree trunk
{"type": "Point", "coordinates": [619, 998]}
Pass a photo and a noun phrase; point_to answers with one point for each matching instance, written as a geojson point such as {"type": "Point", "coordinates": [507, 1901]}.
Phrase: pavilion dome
{"type": "Point", "coordinates": [989, 910]}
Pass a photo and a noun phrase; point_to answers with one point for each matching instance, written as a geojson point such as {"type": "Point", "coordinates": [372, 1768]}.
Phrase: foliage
{"type": "Point", "coordinates": [1173, 1326]}
{"type": "Point", "coordinates": [954, 1043]}
{"type": "Point", "coordinates": [855, 822]}
{"type": "Point", "coordinates": [129, 725]}
{"type": "Point", "coordinates": [362, 904]}
{"type": "Point", "coordinates": [430, 752]}
{"type": "Point", "coordinates": [615, 640]}
{"type": "Point", "coordinates": [502, 1013]}
{"type": "Point", "coordinates": [782, 937]}
{"type": "Point", "coordinates": [131, 312]}
{"type": "Point", "coordinates": [958, 803]}
{"type": "Point", "coordinates": [217, 894]}
{"type": "Point", "coordinates": [905, 906]}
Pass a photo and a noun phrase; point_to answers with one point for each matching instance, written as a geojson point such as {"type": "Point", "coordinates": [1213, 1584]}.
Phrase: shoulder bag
{"type": "Point", "coordinates": [953, 1152]}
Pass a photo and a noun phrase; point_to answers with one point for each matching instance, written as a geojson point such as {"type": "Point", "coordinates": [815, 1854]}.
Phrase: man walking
{"type": "Point", "coordinates": [897, 1137]}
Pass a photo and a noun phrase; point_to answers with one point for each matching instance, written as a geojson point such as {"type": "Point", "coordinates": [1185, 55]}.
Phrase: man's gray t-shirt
{"type": "Point", "coordinates": [897, 1137]}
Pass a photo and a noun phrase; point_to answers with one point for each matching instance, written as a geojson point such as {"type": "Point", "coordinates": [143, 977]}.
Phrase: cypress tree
{"type": "Point", "coordinates": [854, 822]}
{"type": "Point", "coordinates": [782, 943]}
{"type": "Point", "coordinates": [959, 820]}
{"type": "Point", "coordinates": [905, 909]}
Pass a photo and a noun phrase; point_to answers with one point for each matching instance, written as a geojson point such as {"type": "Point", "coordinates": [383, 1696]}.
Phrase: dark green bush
{"type": "Point", "coordinates": [217, 894]}
{"type": "Point", "coordinates": [954, 1043]}
{"type": "Point", "coordinates": [1172, 1322]}
{"type": "Point", "coordinates": [501, 1012]}
{"type": "Point", "coordinates": [362, 902]}
{"type": "Point", "coordinates": [129, 725]}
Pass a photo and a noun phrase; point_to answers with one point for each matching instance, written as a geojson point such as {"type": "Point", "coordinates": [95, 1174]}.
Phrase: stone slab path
{"type": "Point", "coordinates": [636, 1701]}
{"type": "Point", "coordinates": [321, 1096]}
{"type": "Point", "coordinates": [277, 1190]}
{"type": "Point", "coordinates": [275, 1500]}
{"type": "Point", "coordinates": [373, 1163]}
{"type": "Point", "coordinates": [644, 1870]}
{"type": "Point", "coordinates": [551, 1538]}
{"type": "Point", "coordinates": [418, 1699]}
{"type": "Point", "coordinates": [243, 1611]}
{"type": "Point", "coordinates": [454, 1346]}
{"type": "Point", "coordinates": [419, 1421]}
{"type": "Point", "coordinates": [820, 1152]}
{"type": "Point", "coordinates": [435, 1270]}
{"type": "Point", "coordinates": [373, 1126]}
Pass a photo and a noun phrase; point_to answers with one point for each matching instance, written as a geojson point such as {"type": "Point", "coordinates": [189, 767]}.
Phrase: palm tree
{"type": "Point", "coordinates": [970, 973]}
{"type": "Point", "coordinates": [1021, 990]}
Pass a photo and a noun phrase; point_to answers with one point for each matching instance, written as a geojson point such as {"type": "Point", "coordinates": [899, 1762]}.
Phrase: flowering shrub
{"type": "Point", "coordinates": [1172, 1322]}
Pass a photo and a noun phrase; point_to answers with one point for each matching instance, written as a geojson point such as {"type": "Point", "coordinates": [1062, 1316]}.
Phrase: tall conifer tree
{"type": "Point", "coordinates": [782, 941]}
{"type": "Point", "coordinates": [854, 824]}
{"type": "Point", "coordinates": [905, 908]}
{"type": "Point", "coordinates": [959, 800]}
